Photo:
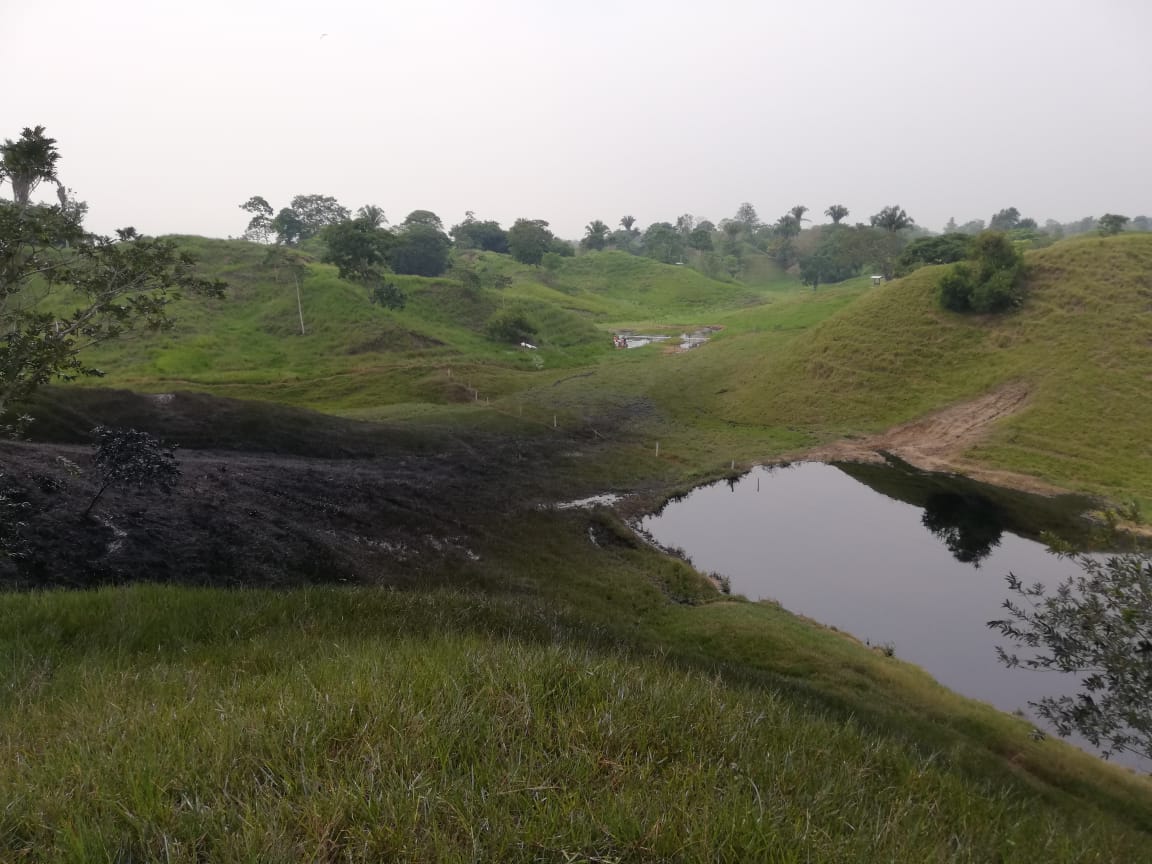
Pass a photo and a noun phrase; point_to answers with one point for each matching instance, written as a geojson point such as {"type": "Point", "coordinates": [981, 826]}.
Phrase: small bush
{"type": "Point", "coordinates": [129, 457]}
{"type": "Point", "coordinates": [512, 326]}
{"type": "Point", "coordinates": [386, 294]}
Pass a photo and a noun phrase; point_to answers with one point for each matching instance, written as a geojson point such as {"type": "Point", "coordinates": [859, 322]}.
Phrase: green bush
{"type": "Point", "coordinates": [510, 325]}
{"type": "Point", "coordinates": [991, 280]}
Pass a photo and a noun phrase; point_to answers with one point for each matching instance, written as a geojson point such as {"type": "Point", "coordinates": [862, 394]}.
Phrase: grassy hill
{"type": "Point", "coordinates": [537, 685]}
{"type": "Point", "coordinates": [1079, 344]}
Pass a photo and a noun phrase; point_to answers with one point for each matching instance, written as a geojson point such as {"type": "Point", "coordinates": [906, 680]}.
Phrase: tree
{"type": "Point", "coordinates": [372, 215]}
{"type": "Point", "coordinates": [798, 212]}
{"type": "Point", "coordinates": [686, 223]}
{"type": "Point", "coordinates": [528, 240]}
{"type": "Point", "coordinates": [746, 216]}
{"type": "Point", "coordinates": [1098, 625]}
{"type": "Point", "coordinates": [1111, 223]}
{"type": "Point", "coordinates": [260, 225]}
{"type": "Point", "coordinates": [358, 248]}
{"type": "Point", "coordinates": [787, 226]}
{"type": "Point", "coordinates": [128, 457]}
{"type": "Point", "coordinates": [940, 249]}
{"type": "Point", "coordinates": [316, 212]}
{"type": "Point", "coordinates": [595, 235]}
{"type": "Point", "coordinates": [701, 238]}
{"type": "Point", "coordinates": [626, 222]}
{"type": "Point", "coordinates": [562, 248]}
{"type": "Point", "coordinates": [289, 227]}
{"type": "Point", "coordinates": [423, 217]}
{"type": "Point", "coordinates": [486, 236]}
{"type": "Point", "coordinates": [421, 250]}
{"type": "Point", "coordinates": [27, 162]}
{"type": "Point", "coordinates": [662, 242]}
{"type": "Point", "coordinates": [813, 268]}
{"type": "Point", "coordinates": [63, 290]}
{"type": "Point", "coordinates": [1005, 220]}
{"type": "Point", "coordinates": [836, 213]}
{"type": "Point", "coordinates": [892, 218]}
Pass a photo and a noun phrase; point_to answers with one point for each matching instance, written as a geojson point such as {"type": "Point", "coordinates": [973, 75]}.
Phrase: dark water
{"type": "Point", "coordinates": [889, 554]}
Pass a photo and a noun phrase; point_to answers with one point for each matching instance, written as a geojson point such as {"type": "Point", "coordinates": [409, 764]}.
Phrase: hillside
{"type": "Point", "coordinates": [450, 669]}
{"type": "Point", "coordinates": [1079, 346]}
{"type": "Point", "coordinates": [356, 356]}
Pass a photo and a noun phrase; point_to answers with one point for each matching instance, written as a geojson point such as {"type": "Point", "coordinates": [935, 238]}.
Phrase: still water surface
{"type": "Point", "coordinates": [920, 566]}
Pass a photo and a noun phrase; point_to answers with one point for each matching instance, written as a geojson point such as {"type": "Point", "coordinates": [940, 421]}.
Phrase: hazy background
{"type": "Point", "coordinates": [170, 115]}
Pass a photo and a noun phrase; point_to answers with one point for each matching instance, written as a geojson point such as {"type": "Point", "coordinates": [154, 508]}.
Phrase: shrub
{"type": "Point", "coordinates": [989, 281]}
{"type": "Point", "coordinates": [128, 457]}
{"type": "Point", "coordinates": [511, 325]}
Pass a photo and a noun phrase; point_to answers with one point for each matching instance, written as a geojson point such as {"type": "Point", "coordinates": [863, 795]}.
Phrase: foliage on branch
{"type": "Point", "coordinates": [1097, 624]}
{"type": "Point", "coordinates": [129, 457]}
{"type": "Point", "coordinates": [63, 290]}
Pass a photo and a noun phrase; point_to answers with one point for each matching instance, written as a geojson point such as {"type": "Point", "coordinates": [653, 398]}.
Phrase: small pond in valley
{"type": "Point", "coordinates": [890, 554]}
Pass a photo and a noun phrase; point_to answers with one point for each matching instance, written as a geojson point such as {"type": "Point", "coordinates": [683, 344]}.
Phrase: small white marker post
{"type": "Point", "coordinates": [733, 468]}
{"type": "Point", "coordinates": [657, 449]}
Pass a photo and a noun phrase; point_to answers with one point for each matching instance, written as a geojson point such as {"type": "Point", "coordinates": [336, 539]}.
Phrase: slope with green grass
{"type": "Point", "coordinates": [1080, 344]}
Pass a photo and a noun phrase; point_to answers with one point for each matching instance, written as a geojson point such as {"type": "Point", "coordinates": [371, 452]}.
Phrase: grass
{"type": "Point", "coordinates": [155, 723]}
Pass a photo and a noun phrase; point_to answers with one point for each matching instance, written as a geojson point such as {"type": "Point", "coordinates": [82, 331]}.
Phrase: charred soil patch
{"type": "Point", "coordinates": [270, 496]}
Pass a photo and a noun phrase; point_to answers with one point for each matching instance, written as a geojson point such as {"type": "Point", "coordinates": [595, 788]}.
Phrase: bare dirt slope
{"type": "Point", "coordinates": [938, 441]}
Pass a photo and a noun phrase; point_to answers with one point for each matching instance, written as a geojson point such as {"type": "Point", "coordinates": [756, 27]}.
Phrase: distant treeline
{"type": "Point", "coordinates": [364, 245]}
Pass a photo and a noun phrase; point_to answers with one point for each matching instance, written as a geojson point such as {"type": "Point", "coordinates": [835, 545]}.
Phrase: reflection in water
{"type": "Point", "coordinates": [970, 525]}
{"type": "Point", "coordinates": [824, 545]}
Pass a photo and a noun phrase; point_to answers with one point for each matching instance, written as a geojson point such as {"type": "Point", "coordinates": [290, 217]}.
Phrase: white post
{"type": "Point", "coordinates": [657, 449]}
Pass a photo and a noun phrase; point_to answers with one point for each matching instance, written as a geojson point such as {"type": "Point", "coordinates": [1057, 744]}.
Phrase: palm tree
{"type": "Point", "coordinates": [595, 235]}
{"type": "Point", "coordinates": [892, 219]}
{"type": "Point", "coordinates": [626, 222]}
{"type": "Point", "coordinates": [836, 212]}
{"type": "Point", "coordinates": [372, 215]}
{"type": "Point", "coordinates": [787, 226]}
{"type": "Point", "coordinates": [798, 213]}
{"type": "Point", "coordinates": [28, 161]}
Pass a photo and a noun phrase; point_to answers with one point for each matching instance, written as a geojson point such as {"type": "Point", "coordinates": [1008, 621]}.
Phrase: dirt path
{"type": "Point", "coordinates": [938, 441]}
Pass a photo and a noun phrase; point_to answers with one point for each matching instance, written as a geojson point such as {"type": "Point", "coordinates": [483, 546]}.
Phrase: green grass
{"type": "Point", "coordinates": [170, 724]}
{"type": "Point", "coordinates": [1079, 342]}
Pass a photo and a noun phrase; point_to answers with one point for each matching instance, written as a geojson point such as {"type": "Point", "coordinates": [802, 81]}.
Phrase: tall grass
{"type": "Point", "coordinates": [178, 725]}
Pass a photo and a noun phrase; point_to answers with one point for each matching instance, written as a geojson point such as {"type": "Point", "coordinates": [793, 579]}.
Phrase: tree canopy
{"type": "Point", "coordinates": [1111, 223]}
{"type": "Point", "coordinates": [485, 235]}
{"type": "Point", "coordinates": [891, 218]}
{"type": "Point", "coordinates": [108, 285]}
{"type": "Point", "coordinates": [837, 213]}
{"type": "Point", "coordinates": [529, 239]}
{"type": "Point", "coordinates": [595, 235]}
{"type": "Point", "coordinates": [421, 250]}
{"type": "Point", "coordinates": [27, 162]}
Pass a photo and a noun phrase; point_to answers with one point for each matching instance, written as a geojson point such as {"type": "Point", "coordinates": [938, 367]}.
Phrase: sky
{"type": "Point", "coordinates": [169, 115]}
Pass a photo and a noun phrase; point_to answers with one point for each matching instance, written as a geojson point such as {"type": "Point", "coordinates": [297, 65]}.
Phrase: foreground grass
{"type": "Point", "coordinates": [189, 725]}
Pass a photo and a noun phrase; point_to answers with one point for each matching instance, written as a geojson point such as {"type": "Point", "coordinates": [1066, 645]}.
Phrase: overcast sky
{"type": "Point", "coordinates": [169, 115]}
